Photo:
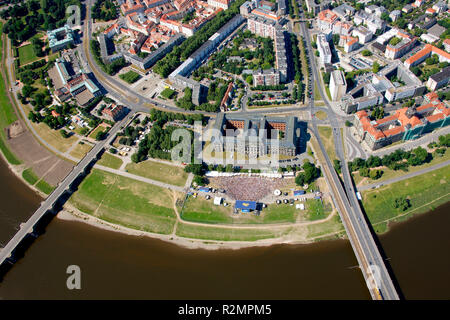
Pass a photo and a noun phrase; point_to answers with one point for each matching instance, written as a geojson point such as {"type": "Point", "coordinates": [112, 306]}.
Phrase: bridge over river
{"type": "Point", "coordinates": [51, 203]}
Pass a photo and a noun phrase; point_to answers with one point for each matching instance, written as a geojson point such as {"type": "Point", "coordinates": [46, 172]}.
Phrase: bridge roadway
{"type": "Point", "coordinates": [360, 236]}
{"type": "Point", "coordinates": [52, 199]}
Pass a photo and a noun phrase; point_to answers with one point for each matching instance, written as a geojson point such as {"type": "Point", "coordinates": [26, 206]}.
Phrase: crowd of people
{"type": "Point", "coordinates": [248, 188]}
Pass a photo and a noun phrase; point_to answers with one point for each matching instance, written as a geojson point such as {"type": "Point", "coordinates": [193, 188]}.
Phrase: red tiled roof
{"type": "Point", "coordinates": [427, 50]}
{"type": "Point", "coordinates": [431, 96]}
{"type": "Point", "coordinates": [394, 131]}
{"type": "Point", "coordinates": [327, 15]}
{"type": "Point", "coordinates": [435, 117]}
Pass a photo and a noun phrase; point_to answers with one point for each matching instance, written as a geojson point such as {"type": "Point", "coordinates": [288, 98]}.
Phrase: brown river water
{"type": "Point", "coordinates": [119, 266]}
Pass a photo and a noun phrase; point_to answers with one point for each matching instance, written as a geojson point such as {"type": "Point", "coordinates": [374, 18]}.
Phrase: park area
{"type": "Point", "coordinates": [130, 77]}
{"type": "Point", "coordinates": [110, 161]}
{"type": "Point", "coordinates": [26, 54]}
{"type": "Point", "coordinates": [423, 193]}
{"type": "Point", "coordinates": [126, 202]}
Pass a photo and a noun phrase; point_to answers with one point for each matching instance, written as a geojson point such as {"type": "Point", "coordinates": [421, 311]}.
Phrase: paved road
{"type": "Point", "coordinates": [360, 237]}
{"type": "Point", "coordinates": [405, 176]}
{"type": "Point", "coordinates": [142, 179]}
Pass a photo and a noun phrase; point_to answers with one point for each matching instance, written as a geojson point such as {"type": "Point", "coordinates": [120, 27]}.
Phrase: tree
{"type": "Point", "coordinates": [364, 172]}
{"type": "Point", "coordinates": [366, 53]}
{"type": "Point", "coordinates": [402, 203]}
{"type": "Point", "coordinates": [348, 123]}
{"type": "Point", "coordinates": [135, 158]}
{"type": "Point", "coordinates": [100, 135]}
{"type": "Point", "coordinates": [311, 172]}
{"type": "Point", "coordinates": [375, 174]}
{"type": "Point", "coordinates": [199, 180]}
{"type": "Point", "coordinates": [337, 165]}
{"type": "Point", "coordinates": [375, 67]}
{"type": "Point", "coordinates": [249, 79]}
{"type": "Point", "coordinates": [300, 179]}
{"type": "Point", "coordinates": [64, 133]}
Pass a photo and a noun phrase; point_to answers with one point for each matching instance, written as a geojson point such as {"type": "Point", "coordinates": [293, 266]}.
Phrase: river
{"type": "Point", "coordinates": [119, 266]}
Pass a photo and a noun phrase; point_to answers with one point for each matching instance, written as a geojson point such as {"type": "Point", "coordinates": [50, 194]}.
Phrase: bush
{"type": "Point", "coordinates": [100, 135]}
{"type": "Point", "coordinates": [402, 203]}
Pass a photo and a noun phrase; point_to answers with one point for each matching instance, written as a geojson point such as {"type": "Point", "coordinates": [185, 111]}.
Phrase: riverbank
{"type": "Point", "coordinates": [70, 213]}
{"type": "Point", "coordinates": [423, 193]}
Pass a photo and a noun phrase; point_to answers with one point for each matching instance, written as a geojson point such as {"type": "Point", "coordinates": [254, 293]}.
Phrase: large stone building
{"type": "Point", "coordinates": [439, 80]}
{"type": "Point", "coordinates": [392, 83]}
{"type": "Point", "coordinates": [324, 49]}
{"type": "Point", "coordinates": [261, 27]}
{"type": "Point", "coordinates": [252, 136]}
{"type": "Point", "coordinates": [268, 77]}
{"type": "Point", "coordinates": [60, 38]}
{"type": "Point", "coordinates": [69, 84]}
{"type": "Point", "coordinates": [224, 4]}
{"type": "Point", "coordinates": [406, 124]}
{"type": "Point", "coordinates": [338, 85]}
{"type": "Point", "coordinates": [405, 44]}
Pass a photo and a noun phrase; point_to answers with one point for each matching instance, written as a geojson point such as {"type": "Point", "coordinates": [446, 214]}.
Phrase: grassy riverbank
{"type": "Point", "coordinates": [7, 114]}
{"type": "Point", "coordinates": [390, 174]}
{"type": "Point", "coordinates": [159, 171]}
{"type": "Point", "coordinates": [126, 202]}
{"type": "Point", "coordinates": [425, 192]}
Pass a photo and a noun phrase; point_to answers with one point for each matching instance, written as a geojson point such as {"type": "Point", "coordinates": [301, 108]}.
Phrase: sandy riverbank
{"type": "Point", "coordinates": [70, 213]}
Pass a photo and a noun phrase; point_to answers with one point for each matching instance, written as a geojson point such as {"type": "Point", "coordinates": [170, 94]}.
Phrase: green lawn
{"type": "Point", "coordinates": [26, 54]}
{"type": "Point", "coordinates": [201, 210]}
{"type": "Point", "coordinates": [317, 210]}
{"type": "Point", "coordinates": [130, 76]}
{"type": "Point", "coordinates": [326, 228]}
{"type": "Point", "coordinates": [425, 192]}
{"type": "Point", "coordinates": [7, 114]}
{"type": "Point", "coordinates": [108, 160]}
{"type": "Point", "coordinates": [159, 171]}
{"type": "Point", "coordinates": [168, 93]}
{"type": "Point", "coordinates": [226, 234]}
{"type": "Point", "coordinates": [317, 95]}
{"type": "Point", "coordinates": [275, 213]}
{"type": "Point", "coordinates": [126, 202]}
{"type": "Point", "coordinates": [328, 141]}
{"type": "Point", "coordinates": [45, 187]}
{"type": "Point", "coordinates": [94, 133]}
{"type": "Point", "coordinates": [30, 176]}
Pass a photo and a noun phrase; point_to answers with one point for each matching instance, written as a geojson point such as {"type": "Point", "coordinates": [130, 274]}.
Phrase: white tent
{"type": "Point", "coordinates": [218, 201]}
